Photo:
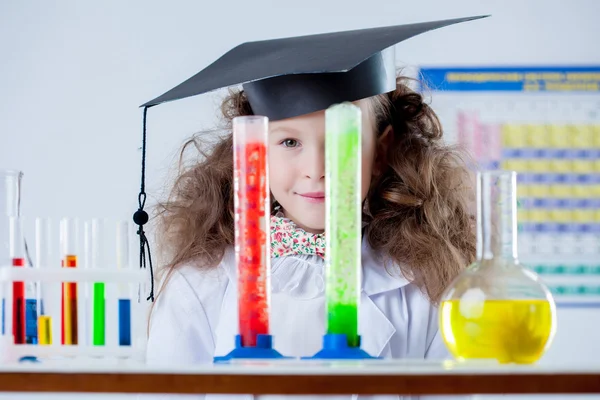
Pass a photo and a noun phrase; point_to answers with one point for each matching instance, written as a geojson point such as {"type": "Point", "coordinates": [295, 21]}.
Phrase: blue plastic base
{"type": "Point", "coordinates": [33, 359]}
{"type": "Point", "coordinates": [263, 349]}
{"type": "Point", "coordinates": [335, 347]}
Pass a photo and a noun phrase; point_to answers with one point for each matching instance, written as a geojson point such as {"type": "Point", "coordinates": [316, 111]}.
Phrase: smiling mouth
{"type": "Point", "coordinates": [313, 197]}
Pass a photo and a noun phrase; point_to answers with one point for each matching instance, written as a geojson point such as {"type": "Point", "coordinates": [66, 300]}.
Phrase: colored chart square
{"type": "Point", "coordinates": [522, 191]}
{"type": "Point", "coordinates": [582, 191]}
{"type": "Point", "coordinates": [561, 216]}
{"type": "Point", "coordinates": [589, 270]}
{"type": "Point", "coordinates": [537, 136]}
{"type": "Point", "coordinates": [539, 190]}
{"type": "Point", "coordinates": [579, 269]}
{"type": "Point", "coordinates": [561, 166]}
{"type": "Point", "coordinates": [514, 164]}
{"type": "Point", "coordinates": [513, 135]}
{"type": "Point", "coordinates": [559, 136]}
{"type": "Point", "coordinates": [522, 215]}
{"type": "Point", "coordinates": [583, 166]}
{"type": "Point", "coordinates": [596, 135]}
{"type": "Point", "coordinates": [542, 269]}
{"type": "Point", "coordinates": [571, 290]}
{"type": "Point", "coordinates": [558, 290]}
{"type": "Point", "coordinates": [560, 191]}
{"type": "Point", "coordinates": [583, 215]}
{"type": "Point", "coordinates": [539, 165]}
{"type": "Point", "coordinates": [537, 215]}
{"type": "Point", "coordinates": [581, 136]}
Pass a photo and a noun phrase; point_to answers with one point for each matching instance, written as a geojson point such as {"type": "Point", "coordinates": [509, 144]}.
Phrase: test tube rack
{"type": "Point", "coordinates": [134, 279]}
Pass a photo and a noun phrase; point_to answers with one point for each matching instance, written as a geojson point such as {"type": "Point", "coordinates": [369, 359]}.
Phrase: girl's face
{"type": "Point", "coordinates": [297, 165]}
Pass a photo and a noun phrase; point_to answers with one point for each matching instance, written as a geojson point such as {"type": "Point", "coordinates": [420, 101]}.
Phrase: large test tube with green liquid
{"type": "Point", "coordinates": [343, 222]}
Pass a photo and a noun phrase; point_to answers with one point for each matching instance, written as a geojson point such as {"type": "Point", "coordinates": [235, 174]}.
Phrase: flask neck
{"type": "Point", "coordinates": [497, 215]}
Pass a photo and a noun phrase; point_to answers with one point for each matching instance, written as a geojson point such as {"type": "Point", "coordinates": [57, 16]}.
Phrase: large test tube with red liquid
{"type": "Point", "coordinates": [252, 237]}
{"type": "Point", "coordinates": [251, 191]}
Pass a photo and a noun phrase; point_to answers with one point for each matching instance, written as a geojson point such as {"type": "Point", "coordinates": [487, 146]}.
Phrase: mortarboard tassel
{"type": "Point", "coordinates": [140, 217]}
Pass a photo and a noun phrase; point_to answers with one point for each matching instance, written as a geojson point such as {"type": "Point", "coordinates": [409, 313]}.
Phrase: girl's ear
{"type": "Point", "coordinates": [384, 141]}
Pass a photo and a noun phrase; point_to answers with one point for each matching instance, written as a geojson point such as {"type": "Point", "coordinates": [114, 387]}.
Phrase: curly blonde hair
{"type": "Point", "coordinates": [417, 208]}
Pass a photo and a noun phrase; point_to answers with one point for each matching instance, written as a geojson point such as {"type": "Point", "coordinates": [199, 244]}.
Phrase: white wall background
{"type": "Point", "coordinates": [73, 73]}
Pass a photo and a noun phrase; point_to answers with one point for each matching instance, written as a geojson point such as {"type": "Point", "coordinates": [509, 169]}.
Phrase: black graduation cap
{"type": "Point", "coordinates": [288, 77]}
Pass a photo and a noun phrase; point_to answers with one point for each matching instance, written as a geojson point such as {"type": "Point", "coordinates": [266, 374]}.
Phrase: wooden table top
{"type": "Point", "coordinates": [299, 377]}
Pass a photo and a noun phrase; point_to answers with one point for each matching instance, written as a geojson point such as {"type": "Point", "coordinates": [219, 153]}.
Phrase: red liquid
{"type": "Point", "coordinates": [68, 333]}
{"type": "Point", "coordinates": [252, 261]}
{"type": "Point", "coordinates": [18, 317]}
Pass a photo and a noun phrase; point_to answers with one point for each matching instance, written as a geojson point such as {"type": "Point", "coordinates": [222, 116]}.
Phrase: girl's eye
{"type": "Point", "coordinates": [290, 143]}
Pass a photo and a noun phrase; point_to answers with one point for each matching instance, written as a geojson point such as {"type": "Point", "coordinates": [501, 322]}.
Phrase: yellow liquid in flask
{"type": "Point", "coordinates": [510, 331]}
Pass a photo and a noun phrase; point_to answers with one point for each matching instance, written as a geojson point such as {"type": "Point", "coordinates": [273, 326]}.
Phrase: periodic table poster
{"type": "Point", "coordinates": [544, 123]}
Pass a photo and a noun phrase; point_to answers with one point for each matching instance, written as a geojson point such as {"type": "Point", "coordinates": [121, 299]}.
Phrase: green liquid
{"type": "Point", "coordinates": [99, 315]}
{"type": "Point", "coordinates": [344, 219]}
{"type": "Point", "coordinates": [343, 318]}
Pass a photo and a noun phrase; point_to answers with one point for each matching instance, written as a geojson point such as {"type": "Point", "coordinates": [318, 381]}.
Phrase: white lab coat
{"type": "Point", "coordinates": [195, 318]}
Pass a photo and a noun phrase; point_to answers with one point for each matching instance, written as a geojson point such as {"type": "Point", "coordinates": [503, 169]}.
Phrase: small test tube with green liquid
{"type": "Point", "coordinates": [98, 259]}
{"type": "Point", "coordinates": [343, 223]}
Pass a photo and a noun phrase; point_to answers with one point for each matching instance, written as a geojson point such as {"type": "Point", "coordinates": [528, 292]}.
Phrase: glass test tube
{"type": "Point", "coordinates": [46, 298]}
{"type": "Point", "coordinates": [31, 319]}
{"type": "Point", "coordinates": [251, 198]}
{"type": "Point", "coordinates": [17, 255]}
{"type": "Point", "coordinates": [10, 198]}
{"type": "Point", "coordinates": [98, 260]}
{"type": "Point", "coordinates": [343, 221]}
{"type": "Point", "coordinates": [125, 290]}
{"type": "Point", "coordinates": [69, 315]}
{"type": "Point", "coordinates": [31, 308]}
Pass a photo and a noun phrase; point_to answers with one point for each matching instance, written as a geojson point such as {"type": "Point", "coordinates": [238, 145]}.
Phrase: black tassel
{"type": "Point", "coordinates": [140, 217]}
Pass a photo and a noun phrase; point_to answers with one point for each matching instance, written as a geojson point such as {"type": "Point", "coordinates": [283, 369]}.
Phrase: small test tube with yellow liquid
{"type": "Point", "coordinates": [47, 298]}
{"type": "Point", "coordinates": [69, 299]}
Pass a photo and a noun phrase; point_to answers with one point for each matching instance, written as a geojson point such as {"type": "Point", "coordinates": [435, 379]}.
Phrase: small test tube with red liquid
{"type": "Point", "coordinates": [17, 255]}
{"type": "Point", "coordinates": [69, 318]}
{"type": "Point", "coordinates": [252, 209]}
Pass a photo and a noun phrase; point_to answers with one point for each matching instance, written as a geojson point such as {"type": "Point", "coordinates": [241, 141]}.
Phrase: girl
{"type": "Point", "coordinates": [417, 233]}
{"type": "Point", "coordinates": [417, 237]}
